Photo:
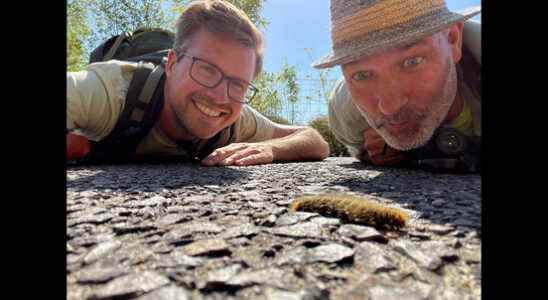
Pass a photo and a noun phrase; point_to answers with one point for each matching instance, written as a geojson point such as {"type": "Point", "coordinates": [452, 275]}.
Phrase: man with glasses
{"type": "Point", "coordinates": [206, 85]}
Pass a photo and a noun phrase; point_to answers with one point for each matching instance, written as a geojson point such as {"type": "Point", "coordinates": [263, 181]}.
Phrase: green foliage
{"type": "Point", "coordinates": [108, 18]}
{"type": "Point", "coordinates": [288, 76]}
{"type": "Point", "coordinates": [325, 84]}
{"type": "Point", "coordinates": [267, 101]}
{"type": "Point", "coordinates": [287, 80]}
{"type": "Point", "coordinates": [112, 17]}
{"type": "Point", "coordinates": [253, 10]}
{"type": "Point", "coordinates": [321, 125]}
{"type": "Point", "coordinates": [77, 32]}
{"type": "Point", "coordinates": [278, 93]}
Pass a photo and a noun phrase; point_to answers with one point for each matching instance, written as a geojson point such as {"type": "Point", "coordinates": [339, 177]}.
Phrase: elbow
{"type": "Point", "coordinates": [322, 147]}
{"type": "Point", "coordinates": [324, 150]}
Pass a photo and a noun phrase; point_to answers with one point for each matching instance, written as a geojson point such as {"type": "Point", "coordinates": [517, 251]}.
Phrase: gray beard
{"type": "Point", "coordinates": [429, 120]}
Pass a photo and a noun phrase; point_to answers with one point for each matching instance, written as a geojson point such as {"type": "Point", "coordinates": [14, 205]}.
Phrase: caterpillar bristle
{"type": "Point", "coordinates": [352, 209]}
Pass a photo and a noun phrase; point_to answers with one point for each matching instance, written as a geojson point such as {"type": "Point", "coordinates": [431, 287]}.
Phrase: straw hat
{"type": "Point", "coordinates": [362, 28]}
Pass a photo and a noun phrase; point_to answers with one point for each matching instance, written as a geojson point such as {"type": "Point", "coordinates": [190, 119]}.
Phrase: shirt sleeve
{"type": "Point", "coordinates": [253, 126]}
{"type": "Point", "coordinates": [345, 120]}
{"type": "Point", "coordinates": [96, 97]}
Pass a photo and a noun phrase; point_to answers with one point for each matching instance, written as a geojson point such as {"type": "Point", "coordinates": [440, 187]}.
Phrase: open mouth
{"type": "Point", "coordinates": [400, 123]}
{"type": "Point", "coordinates": [209, 111]}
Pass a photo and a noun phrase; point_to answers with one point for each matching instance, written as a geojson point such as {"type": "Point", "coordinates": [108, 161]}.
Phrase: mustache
{"type": "Point", "coordinates": [404, 114]}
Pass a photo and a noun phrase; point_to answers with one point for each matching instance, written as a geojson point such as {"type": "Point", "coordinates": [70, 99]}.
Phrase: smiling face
{"type": "Point", "coordinates": [192, 110]}
{"type": "Point", "coordinates": [406, 93]}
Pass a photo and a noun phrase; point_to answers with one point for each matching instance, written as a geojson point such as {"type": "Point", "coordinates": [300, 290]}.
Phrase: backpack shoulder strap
{"type": "Point", "coordinates": [112, 51]}
{"type": "Point", "coordinates": [144, 101]}
{"type": "Point", "coordinates": [141, 90]}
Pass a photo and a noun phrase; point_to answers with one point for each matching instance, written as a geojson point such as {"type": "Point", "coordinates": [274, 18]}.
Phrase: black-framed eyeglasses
{"type": "Point", "coordinates": [210, 76]}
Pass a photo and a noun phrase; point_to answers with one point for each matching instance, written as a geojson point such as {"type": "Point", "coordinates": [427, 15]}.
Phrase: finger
{"type": "Point", "coordinates": [376, 149]}
{"type": "Point", "coordinates": [239, 155]}
{"type": "Point", "coordinates": [371, 134]}
{"type": "Point", "coordinates": [373, 143]}
{"type": "Point", "coordinates": [220, 154]}
{"type": "Point", "coordinates": [214, 158]}
{"type": "Point", "coordinates": [254, 159]}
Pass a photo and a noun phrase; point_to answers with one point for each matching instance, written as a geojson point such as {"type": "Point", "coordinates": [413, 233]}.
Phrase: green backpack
{"type": "Point", "coordinates": [145, 44]}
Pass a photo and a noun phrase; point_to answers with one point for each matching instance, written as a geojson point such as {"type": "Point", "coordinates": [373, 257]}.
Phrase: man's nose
{"type": "Point", "coordinates": [219, 94]}
{"type": "Point", "coordinates": [392, 100]}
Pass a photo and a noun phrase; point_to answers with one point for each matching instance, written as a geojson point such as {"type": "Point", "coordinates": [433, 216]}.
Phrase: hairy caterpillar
{"type": "Point", "coordinates": [352, 209]}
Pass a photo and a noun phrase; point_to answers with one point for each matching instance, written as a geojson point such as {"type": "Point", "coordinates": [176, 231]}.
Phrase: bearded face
{"type": "Point", "coordinates": [406, 93]}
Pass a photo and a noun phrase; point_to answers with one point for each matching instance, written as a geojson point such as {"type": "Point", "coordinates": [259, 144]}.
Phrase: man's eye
{"type": "Point", "coordinates": [238, 86]}
{"type": "Point", "coordinates": [207, 70]}
{"type": "Point", "coordinates": [361, 76]}
{"type": "Point", "coordinates": [414, 61]}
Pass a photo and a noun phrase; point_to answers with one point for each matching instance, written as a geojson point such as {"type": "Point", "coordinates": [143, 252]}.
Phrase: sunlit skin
{"type": "Point", "coordinates": [406, 93]}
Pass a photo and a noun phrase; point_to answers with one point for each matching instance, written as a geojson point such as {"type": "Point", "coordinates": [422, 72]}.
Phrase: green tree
{"type": "Point", "coordinates": [278, 94]}
{"type": "Point", "coordinates": [287, 80]}
{"type": "Point", "coordinates": [325, 83]}
{"type": "Point", "coordinates": [112, 17]}
{"type": "Point", "coordinates": [77, 32]}
{"type": "Point", "coordinates": [267, 100]}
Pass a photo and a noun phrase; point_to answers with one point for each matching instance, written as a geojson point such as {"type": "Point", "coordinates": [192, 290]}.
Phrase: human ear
{"type": "Point", "coordinates": [171, 61]}
{"type": "Point", "coordinates": [454, 39]}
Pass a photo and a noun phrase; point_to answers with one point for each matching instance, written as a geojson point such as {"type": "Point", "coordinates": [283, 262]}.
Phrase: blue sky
{"type": "Point", "coordinates": [298, 24]}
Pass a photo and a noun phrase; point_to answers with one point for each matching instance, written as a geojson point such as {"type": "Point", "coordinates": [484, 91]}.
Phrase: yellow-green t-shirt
{"type": "Point", "coordinates": [464, 121]}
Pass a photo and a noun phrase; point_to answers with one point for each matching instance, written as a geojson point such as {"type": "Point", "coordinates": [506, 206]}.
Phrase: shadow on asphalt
{"type": "Point", "coordinates": [152, 177]}
{"type": "Point", "coordinates": [419, 189]}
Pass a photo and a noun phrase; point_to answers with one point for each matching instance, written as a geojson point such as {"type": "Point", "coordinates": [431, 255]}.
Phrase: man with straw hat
{"type": "Point", "coordinates": [411, 91]}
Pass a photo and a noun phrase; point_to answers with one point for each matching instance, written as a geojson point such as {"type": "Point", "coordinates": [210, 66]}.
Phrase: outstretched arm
{"type": "Point", "coordinates": [289, 143]}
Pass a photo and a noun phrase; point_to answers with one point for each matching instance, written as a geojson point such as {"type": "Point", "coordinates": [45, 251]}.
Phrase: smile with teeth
{"type": "Point", "coordinates": [209, 111]}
